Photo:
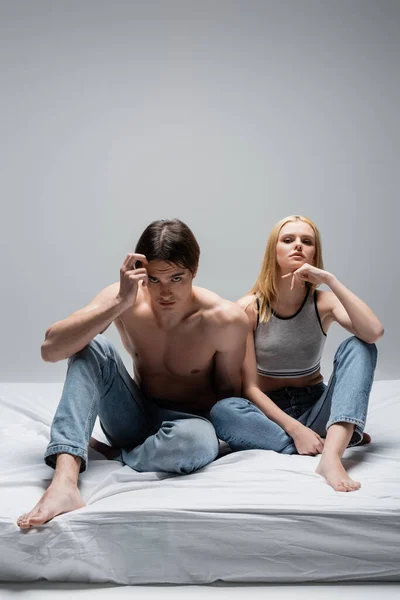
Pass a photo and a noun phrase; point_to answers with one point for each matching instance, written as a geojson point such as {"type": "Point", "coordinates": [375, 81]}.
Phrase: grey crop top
{"type": "Point", "coordinates": [290, 346]}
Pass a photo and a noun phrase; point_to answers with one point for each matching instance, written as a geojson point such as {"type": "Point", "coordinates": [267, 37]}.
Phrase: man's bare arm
{"type": "Point", "coordinates": [66, 337]}
{"type": "Point", "coordinates": [70, 335]}
{"type": "Point", "coordinates": [231, 332]}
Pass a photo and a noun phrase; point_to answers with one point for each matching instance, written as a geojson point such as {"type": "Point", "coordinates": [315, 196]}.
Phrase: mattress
{"type": "Point", "coordinates": [251, 516]}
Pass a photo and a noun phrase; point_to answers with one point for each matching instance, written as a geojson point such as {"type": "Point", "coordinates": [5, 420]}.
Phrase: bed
{"type": "Point", "coordinates": [253, 516]}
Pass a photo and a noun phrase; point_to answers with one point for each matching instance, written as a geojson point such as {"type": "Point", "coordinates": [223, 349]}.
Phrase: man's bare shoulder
{"type": "Point", "coordinates": [219, 311]}
{"type": "Point", "coordinates": [248, 304]}
{"type": "Point", "coordinates": [225, 322]}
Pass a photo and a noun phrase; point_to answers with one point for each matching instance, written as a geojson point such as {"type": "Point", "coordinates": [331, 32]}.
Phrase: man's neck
{"type": "Point", "coordinates": [171, 318]}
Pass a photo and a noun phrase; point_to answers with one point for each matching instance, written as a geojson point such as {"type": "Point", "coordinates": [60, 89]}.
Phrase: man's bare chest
{"type": "Point", "coordinates": [181, 352]}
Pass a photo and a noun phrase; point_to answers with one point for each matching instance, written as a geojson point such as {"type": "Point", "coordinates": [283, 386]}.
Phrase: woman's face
{"type": "Point", "coordinates": [296, 246]}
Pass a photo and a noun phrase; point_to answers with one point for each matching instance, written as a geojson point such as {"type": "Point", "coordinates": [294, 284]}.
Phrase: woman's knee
{"type": "Point", "coordinates": [355, 345]}
{"type": "Point", "coordinates": [226, 407]}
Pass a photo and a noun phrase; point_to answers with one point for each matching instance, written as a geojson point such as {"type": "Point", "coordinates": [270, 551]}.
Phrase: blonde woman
{"type": "Point", "coordinates": [288, 408]}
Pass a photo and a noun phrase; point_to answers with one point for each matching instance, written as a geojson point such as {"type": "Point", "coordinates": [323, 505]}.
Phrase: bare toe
{"type": "Point", "coordinates": [57, 500]}
{"type": "Point", "coordinates": [339, 487]}
{"type": "Point", "coordinates": [332, 469]}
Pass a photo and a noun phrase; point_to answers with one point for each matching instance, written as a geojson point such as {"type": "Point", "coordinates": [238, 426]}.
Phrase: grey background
{"type": "Point", "coordinates": [226, 114]}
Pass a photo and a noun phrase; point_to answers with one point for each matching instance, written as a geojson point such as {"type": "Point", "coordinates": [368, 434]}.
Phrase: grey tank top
{"type": "Point", "coordinates": [290, 346]}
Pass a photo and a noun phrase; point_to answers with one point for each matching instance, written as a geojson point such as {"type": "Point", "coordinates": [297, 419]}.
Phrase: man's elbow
{"type": "Point", "coordinates": [48, 354]}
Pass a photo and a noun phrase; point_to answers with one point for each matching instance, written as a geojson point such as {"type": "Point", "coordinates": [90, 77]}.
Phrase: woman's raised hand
{"type": "Point", "coordinates": [307, 273]}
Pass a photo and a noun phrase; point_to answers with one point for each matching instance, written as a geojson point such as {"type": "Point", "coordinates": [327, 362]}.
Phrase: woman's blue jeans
{"type": "Point", "coordinates": [150, 438]}
{"type": "Point", "coordinates": [345, 399]}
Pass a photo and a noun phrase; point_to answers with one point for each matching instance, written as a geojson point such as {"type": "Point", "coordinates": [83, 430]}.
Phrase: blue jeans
{"type": "Point", "coordinates": [345, 399]}
{"type": "Point", "coordinates": [151, 438]}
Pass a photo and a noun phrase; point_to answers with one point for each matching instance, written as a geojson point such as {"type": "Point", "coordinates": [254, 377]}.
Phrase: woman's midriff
{"type": "Point", "coordinates": [271, 384]}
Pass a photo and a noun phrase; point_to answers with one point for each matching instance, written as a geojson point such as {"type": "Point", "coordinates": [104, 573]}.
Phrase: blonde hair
{"type": "Point", "coordinates": [265, 288]}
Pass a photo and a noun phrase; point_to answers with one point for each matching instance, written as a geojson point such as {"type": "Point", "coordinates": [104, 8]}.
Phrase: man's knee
{"type": "Point", "coordinates": [99, 346]}
{"type": "Point", "coordinates": [198, 435]}
{"type": "Point", "coordinates": [196, 438]}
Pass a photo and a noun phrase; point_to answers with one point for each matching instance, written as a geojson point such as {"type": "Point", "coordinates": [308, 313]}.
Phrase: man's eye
{"type": "Point", "coordinates": [152, 280]}
{"type": "Point", "coordinates": [176, 278]}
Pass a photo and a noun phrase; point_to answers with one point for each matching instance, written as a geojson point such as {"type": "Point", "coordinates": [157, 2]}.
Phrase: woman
{"type": "Point", "coordinates": [288, 408]}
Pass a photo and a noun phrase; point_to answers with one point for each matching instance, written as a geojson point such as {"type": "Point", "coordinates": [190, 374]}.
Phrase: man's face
{"type": "Point", "coordinates": [169, 285]}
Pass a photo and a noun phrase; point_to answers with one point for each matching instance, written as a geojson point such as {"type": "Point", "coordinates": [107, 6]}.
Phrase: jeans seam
{"type": "Point", "coordinates": [53, 449]}
{"type": "Point", "coordinates": [66, 449]}
{"type": "Point", "coordinates": [327, 390]}
{"type": "Point", "coordinates": [130, 393]}
{"type": "Point", "coordinates": [342, 347]}
{"type": "Point", "coordinates": [343, 419]}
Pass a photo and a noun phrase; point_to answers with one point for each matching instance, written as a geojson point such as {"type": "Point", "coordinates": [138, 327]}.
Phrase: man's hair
{"type": "Point", "coordinates": [171, 241]}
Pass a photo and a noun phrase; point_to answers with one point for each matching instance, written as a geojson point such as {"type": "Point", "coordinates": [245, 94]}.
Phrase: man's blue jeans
{"type": "Point", "coordinates": [150, 438]}
{"type": "Point", "coordinates": [345, 399]}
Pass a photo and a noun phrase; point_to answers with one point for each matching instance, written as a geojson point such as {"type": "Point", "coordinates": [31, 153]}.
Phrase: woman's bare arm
{"type": "Point", "coordinates": [352, 313]}
{"type": "Point", "coordinates": [250, 387]}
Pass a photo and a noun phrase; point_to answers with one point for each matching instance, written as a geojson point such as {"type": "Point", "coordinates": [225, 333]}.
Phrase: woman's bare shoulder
{"type": "Point", "coordinates": [325, 299]}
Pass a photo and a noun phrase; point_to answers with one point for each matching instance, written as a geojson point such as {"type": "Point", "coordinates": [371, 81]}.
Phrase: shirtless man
{"type": "Point", "coordinates": [188, 346]}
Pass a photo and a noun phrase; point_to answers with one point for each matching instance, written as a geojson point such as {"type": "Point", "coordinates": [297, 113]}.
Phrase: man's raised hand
{"type": "Point", "coordinates": [130, 277]}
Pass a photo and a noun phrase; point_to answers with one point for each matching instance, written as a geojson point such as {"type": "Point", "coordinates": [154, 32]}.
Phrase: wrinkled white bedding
{"type": "Point", "coordinates": [253, 516]}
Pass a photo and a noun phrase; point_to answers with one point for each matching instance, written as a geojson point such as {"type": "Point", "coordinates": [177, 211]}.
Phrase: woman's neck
{"type": "Point", "coordinates": [287, 298]}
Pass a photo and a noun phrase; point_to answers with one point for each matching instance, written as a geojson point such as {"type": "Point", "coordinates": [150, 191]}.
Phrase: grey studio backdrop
{"type": "Point", "coordinates": [226, 114]}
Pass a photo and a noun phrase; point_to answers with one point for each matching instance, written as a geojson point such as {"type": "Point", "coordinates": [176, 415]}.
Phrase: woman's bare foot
{"type": "Point", "coordinates": [332, 469]}
{"type": "Point", "coordinates": [59, 498]}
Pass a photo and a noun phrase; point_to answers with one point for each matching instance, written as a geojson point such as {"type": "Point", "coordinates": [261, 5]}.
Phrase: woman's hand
{"type": "Point", "coordinates": [307, 441]}
{"type": "Point", "coordinates": [308, 273]}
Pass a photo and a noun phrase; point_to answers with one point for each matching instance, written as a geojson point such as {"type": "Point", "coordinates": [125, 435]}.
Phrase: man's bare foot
{"type": "Point", "coordinates": [59, 498]}
{"type": "Point", "coordinates": [332, 469]}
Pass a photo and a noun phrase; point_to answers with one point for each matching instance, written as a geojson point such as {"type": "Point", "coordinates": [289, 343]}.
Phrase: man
{"type": "Point", "coordinates": [188, 346]}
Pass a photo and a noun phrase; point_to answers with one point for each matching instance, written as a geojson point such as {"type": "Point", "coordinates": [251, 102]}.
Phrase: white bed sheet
{"type": "Point", "coordinates": [253, 516]}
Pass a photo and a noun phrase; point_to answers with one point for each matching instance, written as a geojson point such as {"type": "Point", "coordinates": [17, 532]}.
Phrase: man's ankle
{"type": "Point", "coordinates": [67, 469]}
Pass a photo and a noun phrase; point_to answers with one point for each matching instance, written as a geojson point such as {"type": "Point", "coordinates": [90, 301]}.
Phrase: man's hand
{"type": "Point", "coordinates": [130, 277]}
{"type": "Point", "coordinates": [307, 441]}
{"type": "Point", "coordinates": [307, 273]}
